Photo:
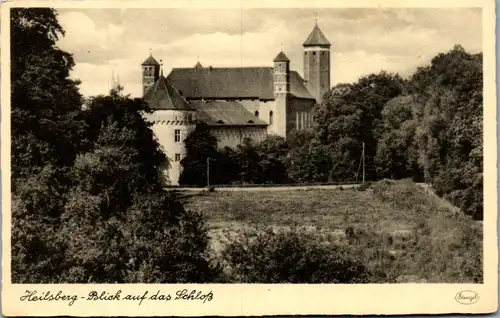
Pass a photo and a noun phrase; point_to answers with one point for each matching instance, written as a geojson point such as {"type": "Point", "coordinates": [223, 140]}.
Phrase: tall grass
{"type": "Point", "coordinates": [400, 231]}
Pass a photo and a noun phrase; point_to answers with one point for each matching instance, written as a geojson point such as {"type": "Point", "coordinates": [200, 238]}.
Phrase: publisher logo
{"type": "Point", "coordinates": [467, 297]}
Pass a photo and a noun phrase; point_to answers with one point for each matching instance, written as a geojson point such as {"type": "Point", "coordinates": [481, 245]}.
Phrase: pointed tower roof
{"type": "Point", "coordinates": [150, 61]}
{"type": "Point", "coordinates": [198, 65]}
{"type": "Point", "coordinates": [163, 96]}
{"type": "Point", "coordinates": [316, 38]}
{"type": "Point", "coordinates": [281, 57]}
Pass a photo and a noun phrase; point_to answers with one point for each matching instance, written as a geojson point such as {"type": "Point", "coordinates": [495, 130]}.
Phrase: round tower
{"type": "Point", "coordinates": [173, 119]}
{"type": "Point", "coordinates": [317, 63]}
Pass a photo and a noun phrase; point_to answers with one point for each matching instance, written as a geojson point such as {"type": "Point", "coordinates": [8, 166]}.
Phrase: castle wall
{"type": "Point", "coordinates": [289, 113]}
{"type": "Point", "coordinates": [264, 108]}
{"type": "Point", "coordinates": [166, 125]}
{"type": "Point", "coordinates": [232, 136]}
{"type": "Point", "coordinates": [299, 114]}
{"type": "Point", "coordinates": [276, 121]}
{"type": "Point", "coordinates": [252, 105]}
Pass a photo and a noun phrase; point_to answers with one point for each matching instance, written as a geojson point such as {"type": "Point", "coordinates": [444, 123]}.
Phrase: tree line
{"type": "Point", "coordinates": [88, 197]}
{"type": "Point", "coordinates": [427, 128]}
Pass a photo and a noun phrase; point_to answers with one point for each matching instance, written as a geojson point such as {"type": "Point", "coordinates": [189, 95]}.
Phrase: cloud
{"type": "Point", "coordinates": [88, 42]}
{"type": "Point", "coordinates": [363, 40]}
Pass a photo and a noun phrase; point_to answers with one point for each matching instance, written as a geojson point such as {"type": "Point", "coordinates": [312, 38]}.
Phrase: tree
{"type": "Point", "coordinates": [308, 160]}
{"type": "Point", "coordinates": [130, 229]}
{"type": "Point", "coordinates": [344, 122]}
{"type": "Point", "coordinates": [87, 194]}
{"type": "Point", "coordinates": [397, 154]}
{"type": "Point", "coordinates": [248, 159]}
{"type": "Point", "coordinates": [200, 146]}
{"type": "Point", "coordinates": [449, 136]}
{"type": "Point", "coordinates": [46, 134]}
{"type": "Point", "coordinates": [272, 154]}
{"type": "Point", "coordinates": [45, 101]}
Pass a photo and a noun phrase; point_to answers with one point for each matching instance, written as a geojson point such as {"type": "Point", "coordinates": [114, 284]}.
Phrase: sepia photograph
{"type": "Point", "coordinates": [247, 145]}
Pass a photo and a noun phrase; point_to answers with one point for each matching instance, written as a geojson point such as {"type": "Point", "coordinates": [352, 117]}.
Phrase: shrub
{"type": "Point", "coordinates": [290, 256]}
{"type": "Point", "coordinates": [365, 186]}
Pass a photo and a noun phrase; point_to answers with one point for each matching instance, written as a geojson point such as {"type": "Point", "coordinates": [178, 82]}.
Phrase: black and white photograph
{"type": "Point", "coordinates": [248, 145]}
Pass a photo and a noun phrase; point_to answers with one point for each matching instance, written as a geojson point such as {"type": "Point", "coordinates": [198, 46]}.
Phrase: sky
{"type": "Point", "coordinates": [114, 42]}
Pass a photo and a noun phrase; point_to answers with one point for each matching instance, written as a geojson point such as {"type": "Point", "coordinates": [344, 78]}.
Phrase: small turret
{"type": "Point", "coordinates": [150, 73]}
{"type": "Point", "coordinates": [281, 75]}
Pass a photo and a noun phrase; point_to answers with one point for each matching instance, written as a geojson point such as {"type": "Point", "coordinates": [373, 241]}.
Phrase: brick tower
{"type": "Point", "coordinates": [317, 63]}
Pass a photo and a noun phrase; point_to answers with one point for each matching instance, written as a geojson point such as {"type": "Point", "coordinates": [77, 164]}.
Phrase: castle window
{"type": "Point", "coordinates": [256, 113]}
{"type": "Point", "coordinates": [177, 135]}
{"type": "Point", "coordinates": [177, 157]}
{"type": "Point", "coordinates": [305, 53]}
{"type": "Point", "coordinates": [314, 53]}
{"type": "Point", "coordinates": [271, 117]}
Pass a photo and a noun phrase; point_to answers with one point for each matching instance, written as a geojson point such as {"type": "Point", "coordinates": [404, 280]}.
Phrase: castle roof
{"type": "Point", "coordinates": [316, 38]}
{"type": "Point", "coordinates": [198, 65]}
{"type": "Point", "coordinates": [281, 57]}
{"type": "Point", "coordinates": [150, 61]}
{"type": "Point", "coordinates": [225, 113]}
{"type": "Point", "coordinates": [163, 96]}
{"type": "Point", "coordinates": [232, 83]}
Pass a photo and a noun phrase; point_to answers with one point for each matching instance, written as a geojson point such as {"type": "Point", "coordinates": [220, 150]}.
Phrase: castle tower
{"type": "Point", "coordinates": [281, 83]}
{"type": "Point", "coordinates": [317, 63]}
{"type": "Point", "coordinates": [281, 75]}
{"type": "Point", "coordinates": [150, 73]}
{"type": "Point", "coordinates": [173, 119]}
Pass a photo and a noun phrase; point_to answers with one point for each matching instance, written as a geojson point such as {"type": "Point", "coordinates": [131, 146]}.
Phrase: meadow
{"type": "Point", "coordinates": [400, 230]}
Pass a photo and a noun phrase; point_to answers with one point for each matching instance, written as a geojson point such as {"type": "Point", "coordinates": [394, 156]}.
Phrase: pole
{"type": "Point", "coordinates": [363, 162]}
{"type": "Point", "coordinates": [208, 172]}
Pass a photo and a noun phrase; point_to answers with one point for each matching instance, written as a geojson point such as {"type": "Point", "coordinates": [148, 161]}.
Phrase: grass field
{"type": "Point", "coordinates": [401, 230]}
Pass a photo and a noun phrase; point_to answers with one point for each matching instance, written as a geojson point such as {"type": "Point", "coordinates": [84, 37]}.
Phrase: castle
{"type": "Point", "coordinates": [236, 103]}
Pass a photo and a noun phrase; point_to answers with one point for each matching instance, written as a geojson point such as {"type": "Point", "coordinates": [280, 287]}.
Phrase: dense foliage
{"type": "Point", "coordinates": [291, 256]}
{"type": "Point", "coordinates": [247, 163]}
{"type": "Point", "coordinates": [88, 197]}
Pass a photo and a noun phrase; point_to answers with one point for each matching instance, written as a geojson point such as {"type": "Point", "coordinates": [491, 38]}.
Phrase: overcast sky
{"type": "Point", "coordinates": [364, 41]}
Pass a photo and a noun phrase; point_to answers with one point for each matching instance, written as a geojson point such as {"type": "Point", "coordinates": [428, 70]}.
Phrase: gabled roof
{"type": "Point", "coordinates": [237, 82]}
{"type": "Point", "coordinates": [163, 96]}
{"type": "Point", "coordinates": [150, 61]}
{"type": "Point", "coordinates": [281, 57]}
{"type": "Point", "coordinates": [316, 38]}
{"type": "Point", "coordinates": [222, 113]}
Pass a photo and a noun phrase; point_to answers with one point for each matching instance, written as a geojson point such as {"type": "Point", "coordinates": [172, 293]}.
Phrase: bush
{"type": "Point", "coordinates": [290, 256]}
{"type": "Point", "coordinates": [365, 186]}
